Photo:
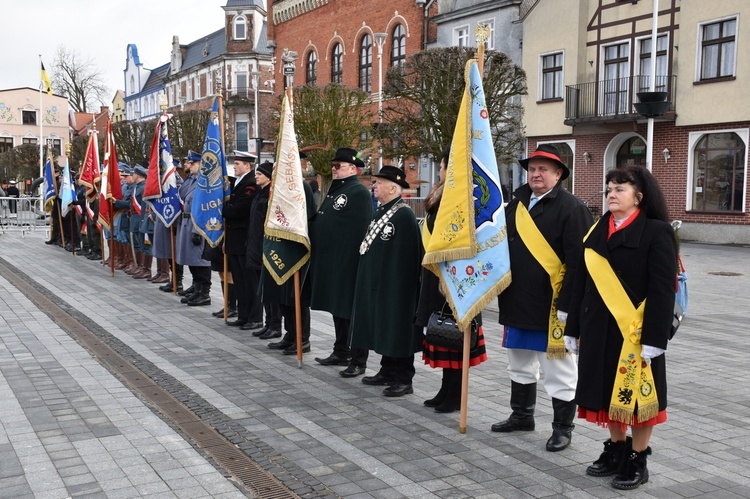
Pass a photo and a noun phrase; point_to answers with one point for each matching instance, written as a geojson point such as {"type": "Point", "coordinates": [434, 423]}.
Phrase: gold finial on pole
{"type": "Point", "coordinates": [482, 34]}
{"type": "Point", "coordinates": [68, 148]}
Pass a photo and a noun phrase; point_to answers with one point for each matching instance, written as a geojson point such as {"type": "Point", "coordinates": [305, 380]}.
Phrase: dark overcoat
{"type": "Point", "coordinates": [257, 227]}
{"type": "Point", "coordinates": [387, 288]}
{"type": "Point", "coordinates": [336, 232]}
{"type": "Point", "coordinates": [237, 215]}
{"type": "Point", "coordinates": [122, 215]}
{"type": "Point", "coordinates": [563, 220]}
{"type": "Point", "coordinates": [644, 256]}
{"type": "Point", "coordinates": [135, 218]}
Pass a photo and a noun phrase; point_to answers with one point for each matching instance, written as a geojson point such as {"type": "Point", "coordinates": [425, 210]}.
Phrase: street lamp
{"type": "Point", "coordinates": [256, 120]}
{"type": "Point", "coordinates": [380, 41]}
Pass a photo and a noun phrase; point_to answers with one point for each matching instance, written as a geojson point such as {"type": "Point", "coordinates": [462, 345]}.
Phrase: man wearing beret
{"type": "Point", "coordinates": [336, 234]}
{"type": "Point", "coordinates": [385, 296]}
{"type": "Point", "coordinates": [531, 309]}
{"type": "Point", "coordinates": [237, 219]}
{"type": "Point", "coordinates": [189, 243]}
{"type": "Point", "coordinates": [257, 229]}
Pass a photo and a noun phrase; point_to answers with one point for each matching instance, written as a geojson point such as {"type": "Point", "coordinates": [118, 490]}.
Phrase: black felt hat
{"type": "Point", "coordinates": [393, 174]}
{"type": "Point", "coordinates": [348, 155]}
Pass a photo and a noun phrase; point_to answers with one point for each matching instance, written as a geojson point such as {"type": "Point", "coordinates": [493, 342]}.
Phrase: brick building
{"type": "Point", "coordinates": [340, 42]}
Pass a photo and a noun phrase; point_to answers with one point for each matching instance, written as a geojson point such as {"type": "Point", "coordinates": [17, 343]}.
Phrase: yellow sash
{"type": "Point", "coordinates": [547, 258]}
{"type": "Point", "coordinates": [634, 381]}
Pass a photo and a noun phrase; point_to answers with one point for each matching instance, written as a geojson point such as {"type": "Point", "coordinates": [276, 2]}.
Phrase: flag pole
{"type": "Point", "coordinates": [111, 232]}
{"type": "Point", "coordinates": [482, 33]}
{"type": "Point", "coordinates": [41, 127]}
{"type": "Point", "coordinates": [225, 291]}
{"type": "Point", "coordinates": [174, 264]}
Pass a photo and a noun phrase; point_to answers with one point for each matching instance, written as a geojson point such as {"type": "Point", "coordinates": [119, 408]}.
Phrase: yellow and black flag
{"type": "Point", "coordinates": [45, 80]}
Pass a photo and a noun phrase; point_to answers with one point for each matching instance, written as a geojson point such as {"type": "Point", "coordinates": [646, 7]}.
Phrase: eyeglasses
{"type": "Point", "coordinates": [339, 165]}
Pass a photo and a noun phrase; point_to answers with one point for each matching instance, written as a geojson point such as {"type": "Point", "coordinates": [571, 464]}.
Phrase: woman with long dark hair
{"type": "Point", "coordinates": [626, 293]}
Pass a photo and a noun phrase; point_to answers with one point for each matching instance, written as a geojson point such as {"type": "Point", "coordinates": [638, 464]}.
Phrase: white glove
{"type": "Point", "coordinates": [562, 316]}
{"type": "Point", "coordinates": [571, 344]}
{"type": "Point", "coordinates": [648, 352]}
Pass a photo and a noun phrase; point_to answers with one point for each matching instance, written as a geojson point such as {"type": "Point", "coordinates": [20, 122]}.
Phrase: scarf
{"type": "Point", "coordinates": [634, 381]}
{"type": "Point", "coordinates": [547, 258]}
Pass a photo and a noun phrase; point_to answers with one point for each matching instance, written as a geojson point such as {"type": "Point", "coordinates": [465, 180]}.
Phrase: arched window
{"type": "Point", "coordinates": [311, 72]}
{"type": "Point", "coordinates": [337, 64]}
{"type": "Point", "coordinates": [240, 28]}
{"type": "Point", "coordinates": [632, 152]}
{"type": "Point", "coordinates": [719, 172]}
{"type": "Point", "coordinates": [398, 44]}
{"type": "Point", "coordinates": [365, 64]}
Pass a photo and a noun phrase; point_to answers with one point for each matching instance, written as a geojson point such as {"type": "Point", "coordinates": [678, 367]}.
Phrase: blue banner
{"type": "Point", "coordinates": [161, 185]}
{"type": "Point", "coordinates": [49, 185]}
{"type": "Point", "coordinates": [212, 186]}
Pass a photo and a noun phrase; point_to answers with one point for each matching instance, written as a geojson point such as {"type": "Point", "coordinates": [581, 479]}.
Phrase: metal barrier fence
{"type": "Point", "coordinates": [417, 206]}
{"type": "Point", "coordinates": [24, 214]}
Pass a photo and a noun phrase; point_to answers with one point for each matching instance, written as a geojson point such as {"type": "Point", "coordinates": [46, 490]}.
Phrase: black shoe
{"type": "Point", "coordinates": [237, 323]}
{"type": "Point", "coordinates": [378, 379]}
{"type": "Point", "coordinates": [232, 312]}
{"type": "Point", "coordinates": [218, 313]}
{"type": "Point", "coordinates": [514, 424]}
{"type": "Point", "coordinates": [333, 360]}
{"type": "Point", "coordinates": [167, 288]}
{"type": "Point", "coordinates": [634, 470]}
{"type": "Point", "coordinates": [187, 291]}
{"type": "Point", "coordinates": [261, 331]}
{"type": "Point", "coordinates": [255, 327]}
{"type": "Point", "coordinates": [292, 350]}
{"type": "Point", "coordinates": [280, 345]}
{"type": "Point", "coordinates": [270, 334]}
{"type": "Point", "coordinates": [199, 300]}
{"type": "Point", "coordinates": [52, 241]}
{"type": "Point", "coordinates": [352, 371]}
{"type": "Point", "coordinates": [187, 297]}
{"type": "Point", "coordinates": [94, 256]}
{"type": "Point", "coordinates": [398, 390]}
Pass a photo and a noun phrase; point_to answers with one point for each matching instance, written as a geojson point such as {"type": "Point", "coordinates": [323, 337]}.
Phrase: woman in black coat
{"type": "Point", "coordinates": [448, 398]}
{"type": "Point", "coordinates": [636, 240]}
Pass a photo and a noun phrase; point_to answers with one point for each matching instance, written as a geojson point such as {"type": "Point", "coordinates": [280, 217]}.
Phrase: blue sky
{"type": "Point", "coordinates": [99, 30]}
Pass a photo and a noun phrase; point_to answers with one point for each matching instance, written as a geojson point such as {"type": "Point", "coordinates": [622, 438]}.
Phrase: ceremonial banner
{"type": "Point", "coordinates": [67, 191]}
{"type": "Point", "coordinates": [90, 172]}
{"type": "Point", "coordinates": [161, 184]}
{"type": "Point", "coordinates": [467, 248]}
{"type": "Point", "coordinates": [212, 187]}
{"type": "Point", "coordinates": [111, 187]}
{"type": "Point", "coordinates": [286, 245]}
{"type": "Point", "coordinates": [49, 186]}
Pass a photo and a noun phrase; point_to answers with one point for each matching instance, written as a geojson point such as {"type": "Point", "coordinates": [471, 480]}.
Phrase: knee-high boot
{"type": "Point", "coordinates": [137, 264]}
{"type": "Point", "coordinates": [162, 274]}
{"type": "Point", "coordinates": [523, 403]}
{"type": "Point", "coordinates": [562, 424]}
{"type": "Point", "coordinates": [145, 271]}
{"type": "Point", "coordinates": [452, 400]}
{"type": "Point", "coordinates": [438, 399]}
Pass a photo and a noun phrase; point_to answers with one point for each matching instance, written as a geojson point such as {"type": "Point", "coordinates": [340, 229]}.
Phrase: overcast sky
{"type": "Point", "coordinates": [99, 30]}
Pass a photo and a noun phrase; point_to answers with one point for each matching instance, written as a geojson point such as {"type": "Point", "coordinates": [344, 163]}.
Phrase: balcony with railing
{"type": "Point", "coordinates": [612, 101]}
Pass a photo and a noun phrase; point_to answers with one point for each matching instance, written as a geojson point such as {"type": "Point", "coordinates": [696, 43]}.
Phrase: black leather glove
{"type": "Point", "coordinates": [197, 239]}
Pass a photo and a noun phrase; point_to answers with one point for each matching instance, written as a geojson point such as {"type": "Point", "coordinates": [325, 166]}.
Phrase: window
{"type": "Point", "coordinates": [632, 153]}
{"type": "Point", "coordinates": [241, 85]}
{"type": "Point", "coordinates": [6, 144]}
{"type": "Point", "coordinates": [337, 64]}
{"type": "Point", "coordinates": [567, 157]}
{"type": "Point", "coordinates": [490, 43]}
{"type": "Point", "coordinates": [56, 145]}
{"type": "Point", "coordinates": [241, 135]}
{"type": "Point", "coordinates": [132, 84]}
{"type": "Point", "coordinates": [209, 83]}
{"type": "Point", "coordinates": [552, 76]}
{"type": "Point", "coordinates": [365, 64]}
{"type": "Point", "coordinates": [240, 28]}
{"type": "Point", "coordinates": [28, 117]}
{"type": "Point", "coordinates": [398, 47]}
{"type": "Point", "coordinates": [718, 45]}
{"type": "Point", "coordinates": [719, 170]}
{"type": "Point", "coordinates": [461, 36]}
{"type": "Point", "coordinates": [311, 70]}
{"type": "Point", "coordinates": [662, 73]}
{"type": "Point", "coordinates": [29, 140]}
{"type": "Point", "coordinates": [198, 88]}
{"type": "Point", "coordinates": [615, 84]}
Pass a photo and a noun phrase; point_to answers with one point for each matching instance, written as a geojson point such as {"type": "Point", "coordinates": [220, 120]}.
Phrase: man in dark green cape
{"type": "Point", "coordinates": [336, 233]}
{"type": "Point", "coordinates": [385, 296]}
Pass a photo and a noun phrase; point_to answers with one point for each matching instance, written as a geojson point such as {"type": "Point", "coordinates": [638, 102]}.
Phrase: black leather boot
{"type": "Point", "coordinates": [634, 470]}
{"type": "Point", "coordinates": [522, 402]}
{"type": "Point", "coordinates": [610, 461]}
{"type": "Point", "coordinates": [203, 297]}
{"type": "Point", "coordinates": [562, 424]}
{"type": "Point", "coordinates": [194, 290]}
{"type": "Point", "coordinates": [438, 399]}
{"type": "Point", "coordinates": [452, 400]}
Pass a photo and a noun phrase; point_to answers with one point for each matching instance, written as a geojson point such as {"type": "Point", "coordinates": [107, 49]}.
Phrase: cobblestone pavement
{"type": "Point", "coordinates": [70, 427]}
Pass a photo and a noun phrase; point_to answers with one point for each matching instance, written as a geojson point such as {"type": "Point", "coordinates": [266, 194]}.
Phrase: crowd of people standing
{"type": "Point", "coordinates": [589, 306]}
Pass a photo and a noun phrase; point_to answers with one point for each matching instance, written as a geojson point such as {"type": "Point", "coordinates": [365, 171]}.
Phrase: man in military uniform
{"type": "Point", "coordinates": [122, 221]}
{"type": "Point", "coordinates": [385, 296]}
{"type": "Point", "coordinates": [336, 234]}
{"type": "Point", "coordinates": [136, 219]}
{"type": "Point", "coordinates": [237, 220]}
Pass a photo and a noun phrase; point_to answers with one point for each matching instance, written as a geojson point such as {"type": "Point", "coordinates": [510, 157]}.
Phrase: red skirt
{"type": "Point", "coordinates": [601, 418]}
{"type": "Point", "coordinates": [439, 357]}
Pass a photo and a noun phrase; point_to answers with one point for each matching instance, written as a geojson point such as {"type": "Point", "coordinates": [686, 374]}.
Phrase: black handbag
{"type": "Point", "coordinates": [442, 331]}
{"type": "Point", "coordinates": [677, 317]}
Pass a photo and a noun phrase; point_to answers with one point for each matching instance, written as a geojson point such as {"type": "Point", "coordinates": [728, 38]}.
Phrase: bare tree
{"type": "Point", "coordinates": [78, 79]}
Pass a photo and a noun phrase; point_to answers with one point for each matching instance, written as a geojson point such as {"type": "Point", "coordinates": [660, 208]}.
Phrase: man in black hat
{"type": "Point", "coordinates": [385, 297]}
{"type": "Point", "coordinates": [336, 234]}
{"type": "Point", "coordinates": [236, 213]}
{"type": "Point", "coordinates": [532, 326]}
